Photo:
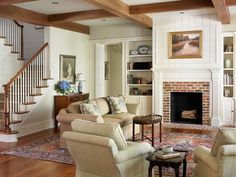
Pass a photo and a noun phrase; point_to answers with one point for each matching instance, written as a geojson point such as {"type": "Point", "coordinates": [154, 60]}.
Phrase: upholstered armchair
{"type": "Point", "coordinates": [100, 150]}
{"type": "Point", "coordinates": [220, 161]}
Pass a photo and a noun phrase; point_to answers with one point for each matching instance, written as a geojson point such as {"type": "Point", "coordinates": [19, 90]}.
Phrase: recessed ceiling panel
{"type": "Point", "coordinates": [135, 2]}
{"type": "Point", "coordinates": [104, 21]}
{"type": "Point", "coordinates": [57, 6]}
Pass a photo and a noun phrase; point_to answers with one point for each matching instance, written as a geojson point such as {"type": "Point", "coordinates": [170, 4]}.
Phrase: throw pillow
{"type": "Point", "coordinates": [108, 130]}
{"type": "Point", "coordinates": [117, 104]}
{"type": "Point", "coordinates": [224, 136]}
{"type": "Point", "coordinates": [90, 107]}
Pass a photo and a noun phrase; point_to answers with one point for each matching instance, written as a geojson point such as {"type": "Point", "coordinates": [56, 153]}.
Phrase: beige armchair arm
{"type": "Point", "coordinates": [227, 150]}
{"type": "Point", "coordinates": [64, 117]}
{"type": "Point", "coordinates": [133, 150]}
{"type": "Point", "coordinates": [133, 108]}
{"type": "Point", "coordinates": [203, 154]}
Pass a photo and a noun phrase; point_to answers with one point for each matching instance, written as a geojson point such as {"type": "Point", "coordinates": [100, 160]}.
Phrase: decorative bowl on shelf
{"type": "Point", "coordinates": [143, 49]}
{"type": "Point", "coordinates": [133, 52]}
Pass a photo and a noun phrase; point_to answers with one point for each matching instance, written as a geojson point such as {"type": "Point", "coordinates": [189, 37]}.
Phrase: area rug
{"type": "Point", "coordinates": [48, 148]}
{"type": "Point", "coordinates": [43, 149]}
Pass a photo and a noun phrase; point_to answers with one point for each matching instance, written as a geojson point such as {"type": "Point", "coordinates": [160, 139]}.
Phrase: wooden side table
{"type": "Point", "coordinates": [174, 163]}
{"type": "Point", "coordinates": [145, 120]}
{"type": "Point", "coordinates": [62, 101]}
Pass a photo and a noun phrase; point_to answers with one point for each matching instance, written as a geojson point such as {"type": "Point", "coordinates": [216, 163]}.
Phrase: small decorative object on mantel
{"type": "Point", "coordinates": [63, 87]}
{"type": "Point", "coordinates": [133, 52]}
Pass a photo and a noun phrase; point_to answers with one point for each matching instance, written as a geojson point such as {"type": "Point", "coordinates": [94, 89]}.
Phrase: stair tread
{"type": "Point", "coordinates": [36, 94]}
{"type": "Point", "coordinates": [21, 59]}
{"type": "Point", "coordinates": [9, 133]}
{"type": "Point", "coordinates": [14, 52]}
{"type": "Point", "coordinates": [3, 37]}
{"type": "Point", "coordinates": [48, 78]}
{"type": "Point", "coordinates": [42, 86]}
{"type": "Point", "coordinates": [22, 112]}
{"type": "Point", "coordinates": [16, 121]}
{"type": "Point", "coordinates": [8, 45]}
{"type": "Point", "coordinates": [29, 103]}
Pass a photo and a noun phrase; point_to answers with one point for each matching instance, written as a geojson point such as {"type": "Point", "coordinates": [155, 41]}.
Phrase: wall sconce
{"type": "Point", "coordinates": [80, 78]}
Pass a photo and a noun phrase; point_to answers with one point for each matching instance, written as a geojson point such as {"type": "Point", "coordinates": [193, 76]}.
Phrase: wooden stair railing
{"type": "Point", "coordinates": [13, 32]}
{"type": "Point", "coordinates": [19, 91]}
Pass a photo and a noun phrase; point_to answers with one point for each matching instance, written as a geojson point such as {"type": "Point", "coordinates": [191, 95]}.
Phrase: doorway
{"type": "Point", "coordinates": [113, 69]}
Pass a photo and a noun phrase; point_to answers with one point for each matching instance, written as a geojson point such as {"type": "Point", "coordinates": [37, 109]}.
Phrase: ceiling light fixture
{"type": "Point", "coordinates": [55, 2]}
{"type": "Point", "coordinates": [104, 20]}
{"type": "Point", "coordinates": [181, 12]}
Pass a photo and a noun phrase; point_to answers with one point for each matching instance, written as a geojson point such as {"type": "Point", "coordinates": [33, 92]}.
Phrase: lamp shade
{"type": "Point", "coordinates": [80, 77]}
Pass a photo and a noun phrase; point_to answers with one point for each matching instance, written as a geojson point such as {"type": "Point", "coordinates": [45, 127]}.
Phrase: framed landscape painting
{"type": "Point", "coordinates": [185, 44]}
{"type": "Point", "coordinates": [67, 68]}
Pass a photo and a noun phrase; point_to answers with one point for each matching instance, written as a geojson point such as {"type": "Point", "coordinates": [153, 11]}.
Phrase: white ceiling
{"type": "Point", "coordinates": [64, 6]}
{"type": "Point", "coordinates": [46, 6]}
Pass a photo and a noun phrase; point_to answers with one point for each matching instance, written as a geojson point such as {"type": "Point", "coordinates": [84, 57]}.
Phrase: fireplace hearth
{"type": "Point", "coordinates": [186, 107]}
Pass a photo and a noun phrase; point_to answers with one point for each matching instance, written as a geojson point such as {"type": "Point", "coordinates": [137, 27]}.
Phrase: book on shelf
{"type": "Point", "coordinates": [166, 155]}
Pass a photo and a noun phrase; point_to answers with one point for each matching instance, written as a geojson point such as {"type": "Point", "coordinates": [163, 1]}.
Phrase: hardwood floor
{"type": "Point", "coordinates": [12, 166]}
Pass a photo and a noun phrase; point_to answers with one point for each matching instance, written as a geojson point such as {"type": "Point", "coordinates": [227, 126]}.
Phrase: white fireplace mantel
{"type": "Point", "coordinates": [189, 73]}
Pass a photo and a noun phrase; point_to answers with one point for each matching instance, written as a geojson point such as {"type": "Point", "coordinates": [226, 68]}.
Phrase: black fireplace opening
{"type": "Point", "coordinates": [186, 107]}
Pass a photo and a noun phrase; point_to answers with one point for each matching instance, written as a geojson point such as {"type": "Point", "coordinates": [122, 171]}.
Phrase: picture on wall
{"type": "Point", "coordinates": [185, 44]}
{"type": "Point", "coordinates": [67, 68]}
{"type": "Point", "coordinates": [106, 70]}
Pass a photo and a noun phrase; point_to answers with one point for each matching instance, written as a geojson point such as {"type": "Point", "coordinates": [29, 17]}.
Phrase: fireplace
{"type": "Point", "coordinates": [202, 88]}
{"type": "Point", "coordinates": [186, 107]}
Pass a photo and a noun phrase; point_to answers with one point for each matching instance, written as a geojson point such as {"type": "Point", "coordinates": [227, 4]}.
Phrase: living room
{"type": "Point", "coordinates": [203, 73]}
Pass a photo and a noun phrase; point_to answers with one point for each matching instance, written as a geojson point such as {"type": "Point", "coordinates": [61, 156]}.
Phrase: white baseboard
{"type": "Point", "coordinates": [8, 138]}
{"type": "Point", "coordinates": [35, 127]}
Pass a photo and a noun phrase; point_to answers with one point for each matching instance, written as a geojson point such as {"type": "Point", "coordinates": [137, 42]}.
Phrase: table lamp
{"type": "Point", "coordinates": [80, 78]}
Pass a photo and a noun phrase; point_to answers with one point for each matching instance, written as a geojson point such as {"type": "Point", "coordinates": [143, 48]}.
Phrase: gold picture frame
{"type": "Point", "coordinates": [185, 44]}
{"type": "Point", "coordinates": [67, 68]}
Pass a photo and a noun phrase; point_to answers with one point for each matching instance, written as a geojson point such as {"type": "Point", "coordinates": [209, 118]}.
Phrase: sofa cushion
{"type": "Point", "coordinates": [109, 130]}
{"type": "Point", "coordinates": [123, 119]}
{"type": "Point", "coordinates": [103, 105]}
{"type": "Point", "coordinates": [90, 107]}
{"type": "Point", "coordinates": [117, 104]}
{"type": "Point", "coordinates": [74, 107]}
{"type": "Point", "coordinates": [224, 136]}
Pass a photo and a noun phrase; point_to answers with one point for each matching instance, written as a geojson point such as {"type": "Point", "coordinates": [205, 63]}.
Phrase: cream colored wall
{"type": "Point", "coordinates": [115, 76]}
{"type": "Point", "coordinates": [230, 27]}
{"type": "Point", "coordinates": [118, 31]}
{"type": "Point", "coordinates": [67, 43]}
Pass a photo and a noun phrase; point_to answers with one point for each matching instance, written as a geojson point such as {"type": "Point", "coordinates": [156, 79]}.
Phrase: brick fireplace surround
{"type": "Point", "coordinates": [202, 87]}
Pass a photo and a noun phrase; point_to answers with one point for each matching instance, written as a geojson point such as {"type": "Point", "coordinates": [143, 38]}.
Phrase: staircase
{"type": "Point", "coordinates": [21, 92]}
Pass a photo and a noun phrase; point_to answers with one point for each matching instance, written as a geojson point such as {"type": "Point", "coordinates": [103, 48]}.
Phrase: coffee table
{"type": "Point", "coordinates": [145, 120]}
{"type": "Point", "coordinates": [174, 163]}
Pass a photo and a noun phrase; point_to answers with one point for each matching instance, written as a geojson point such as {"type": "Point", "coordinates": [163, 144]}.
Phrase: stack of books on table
{"type": "Point", "coordinates": [166, 155]}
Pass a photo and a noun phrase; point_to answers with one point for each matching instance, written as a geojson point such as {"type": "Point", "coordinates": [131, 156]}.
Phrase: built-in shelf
{"type": "Point", "coordinates": [228, 85]}
{"type": "Point", "coordinates": [134, 56]}
{"type": "Point", "coordinates": [139, 70]}
{"type": "Point", "coordinates": [228, 69]}
{"type": "Point", "coordinates": [140, 85]}
{"type": "Point", "coordinates": [228, 53]}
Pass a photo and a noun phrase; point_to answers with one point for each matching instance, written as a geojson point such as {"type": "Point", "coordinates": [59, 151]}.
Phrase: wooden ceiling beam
{"type": "Point", "coordinates": [28, 16]}
{"type": "Point", "coordinates": [81, 15]}
{"type": "Point", "coordinates": [222, 11]}
{"type": "Point", "coordinates": [120, 9]}
{"type": "Point", "coordinates": [9, 2]}
{"type": "Point", "coordinates": [170, 6]}
{"type": "Point", "coordinates": [230, 2]}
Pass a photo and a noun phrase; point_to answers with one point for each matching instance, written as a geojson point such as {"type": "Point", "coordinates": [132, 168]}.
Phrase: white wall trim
{"type": "Point", "coordinates": [8, 138]}
{"type": "Point", "coordinates": [35, 127]}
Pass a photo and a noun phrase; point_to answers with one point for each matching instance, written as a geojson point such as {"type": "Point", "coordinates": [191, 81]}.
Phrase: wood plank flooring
{"type": "Point", "coordinates": [12, 166]}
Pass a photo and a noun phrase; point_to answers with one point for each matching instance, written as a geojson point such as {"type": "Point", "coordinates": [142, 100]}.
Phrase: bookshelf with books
{"type": "Point", "coordinates": [138, 83]}
{"type": "Point", "coordinates": [228, 78]}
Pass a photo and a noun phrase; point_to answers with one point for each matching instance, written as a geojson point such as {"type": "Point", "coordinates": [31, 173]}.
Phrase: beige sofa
{"type": "Point", "coordinates": [72, 112]}
{"type": "Point", "coordinates": [100, 150]}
